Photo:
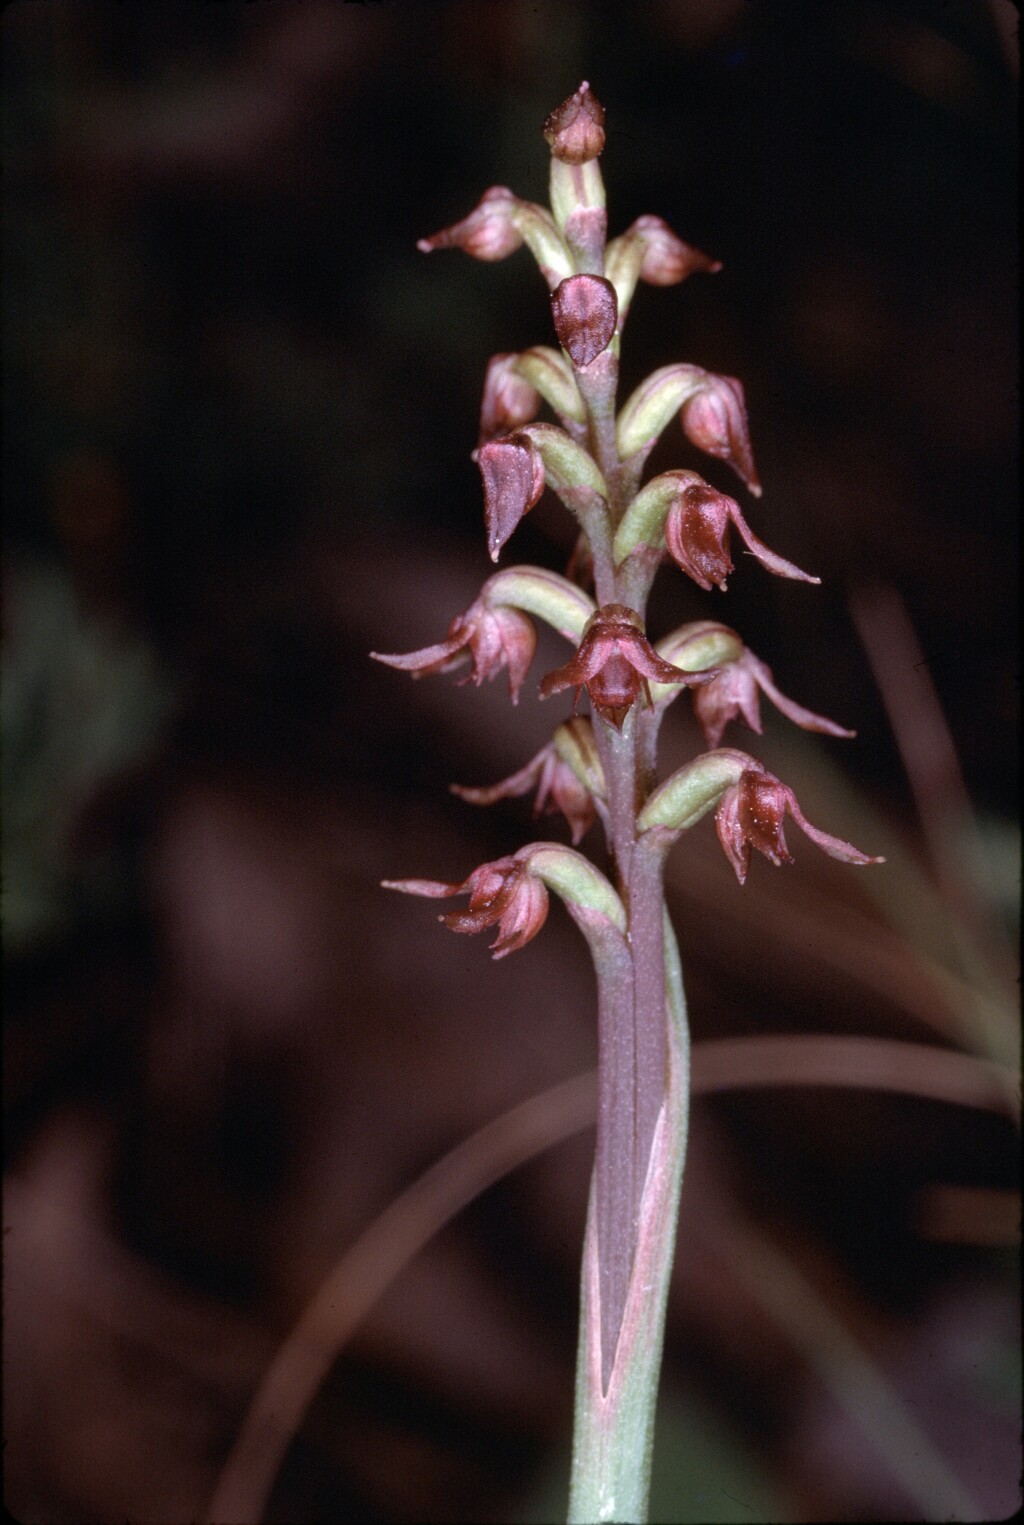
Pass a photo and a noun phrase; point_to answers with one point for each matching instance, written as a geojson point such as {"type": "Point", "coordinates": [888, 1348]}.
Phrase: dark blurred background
{"type": "Point", "coordinates": [238, 412]}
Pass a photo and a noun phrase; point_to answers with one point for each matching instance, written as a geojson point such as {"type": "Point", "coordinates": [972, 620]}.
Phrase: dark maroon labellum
{"type": "Point", "coordinates": [585, 310]}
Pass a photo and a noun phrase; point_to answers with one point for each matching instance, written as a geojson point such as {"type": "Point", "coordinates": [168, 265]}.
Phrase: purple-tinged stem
{"type": "Point", "coordinates": [614, 1163]}
{"type": "Point", "coordinates": [647, 940]}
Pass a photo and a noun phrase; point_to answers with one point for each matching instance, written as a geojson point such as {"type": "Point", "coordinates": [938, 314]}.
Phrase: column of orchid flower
{"type": "Point", "coordinates": [605, 766]}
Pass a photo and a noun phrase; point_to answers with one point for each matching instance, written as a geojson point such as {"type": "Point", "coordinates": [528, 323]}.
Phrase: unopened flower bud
{"type": "Point", "coordinates": [575, 129]}
{"type": "Point", "coordinates": [576, 187]}
{"type": "Point", "coordinates": [585, 311]}
{"type": "Point", "coordinates": [666, 258]}
{"type": "Point", "coordinates": [715, 419]}
{"type": "Point", "coordinates": [509, 399]}
{"type": "Point", "coordinates": [490, 232]}
{"type": "Point", "coordinates": [513, 476]}
{"type": "Point", "coordinates": [496, 227]}
{"type": "Point", "coordinates": [650, 251]}
{"type": "Point", "coordinates": [647, 410]}
{"type": "Point", "coordinates": [711, 410]}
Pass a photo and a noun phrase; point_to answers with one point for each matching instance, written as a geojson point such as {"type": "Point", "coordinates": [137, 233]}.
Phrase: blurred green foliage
{"type": "Point", "coordinates": [81, 700]}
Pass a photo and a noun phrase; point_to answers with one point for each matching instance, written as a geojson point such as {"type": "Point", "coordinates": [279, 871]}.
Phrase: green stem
{"type": "Point", "coordinates": [614, 1427]}
{"type": "Point", "coordinates": [647, 939]}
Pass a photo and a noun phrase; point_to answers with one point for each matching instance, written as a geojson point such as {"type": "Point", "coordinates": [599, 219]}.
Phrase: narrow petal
{"type": "Point", "coordinates": [434, 889]}
{"type": "Point", "coordinates": [795, 712]}
{"type": "Point", "coordinates": [834, 846]}
{"type": "Point", "coordinates": [767, 558]}
{"type": "Point", "coordinates": [427, 659]}
{"type": "Point", "coordinates": [642, 656]}
{"type": "Point", "coordinates": [515, 784]}
{"type": "Point", "coordinates": [579, 669]}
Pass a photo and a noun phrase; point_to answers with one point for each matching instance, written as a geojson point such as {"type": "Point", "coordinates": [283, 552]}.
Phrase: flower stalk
{"type": "Point", "coordinates": [605, 767]}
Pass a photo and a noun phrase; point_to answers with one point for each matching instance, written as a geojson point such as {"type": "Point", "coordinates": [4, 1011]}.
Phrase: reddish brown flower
{"type": "Point", "coordinates": [666, 258]}
{"type": "Point", "coordinates": [734, 691]}
{"type": "Point", "coordinates": [751, 813]}
{"type": "Point", "coordinates": [585, 310]}
{"type": "Point", "coordinates": [558, 789]}
{"type": "Point", "coordinates": [488, 233]}
{"type": "Point", "coordinates": [613, 663]}
{"type": "Point", "coordinates": [715, 419]}
{"type": "Point", "coordinates": [575, 129]}
{"type": "Point", "coordinates": [697, 537]}
{"type": "Point", "coordinates": [513, 474]}
{"type": "Point", "coordinates": [492, 637]}
{"type": "Point", "coordinates": [503, 893]}
{"type": "Point", "coordinates": [508, 401]}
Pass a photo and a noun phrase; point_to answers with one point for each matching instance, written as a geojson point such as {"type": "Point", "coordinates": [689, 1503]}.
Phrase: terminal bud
{"type": "Point", "coordinates": [575, 129]}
